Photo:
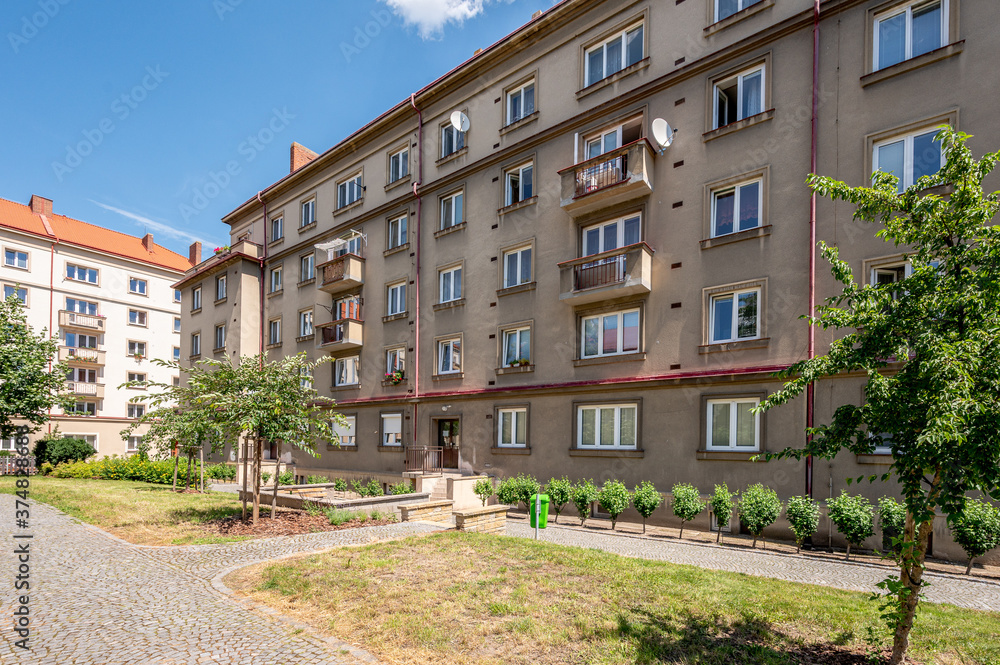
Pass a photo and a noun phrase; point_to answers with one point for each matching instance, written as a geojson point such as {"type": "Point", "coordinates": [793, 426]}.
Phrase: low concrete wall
{"type": "Point", "coordinates": [429, 511]}
{"type": "Point", "coordinates": [460, 491]}
{"type": "Point", "coordinates": [491, 519]}
{"type": "Point", "coordinates": [381, 503]}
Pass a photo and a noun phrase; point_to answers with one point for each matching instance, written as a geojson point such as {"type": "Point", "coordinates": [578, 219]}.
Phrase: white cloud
{"type": "Point", "coordinates": [430, 16]}
{"type": "Point", "coordinates": [152, 225]}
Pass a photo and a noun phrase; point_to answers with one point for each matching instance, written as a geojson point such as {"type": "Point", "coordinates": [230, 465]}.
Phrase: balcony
{"type": "Point", "coordinates": [75, 320]}
{"type": "Point", "coordinates": [81, 357]}
{"type": "Point", "coordinates": [342, 273]}
{"type": "Point", "coordinates": [341, 335]}
{"type": "Point", "coordinates": [614, 274]}
{"type": "Point", "coordinates": [81, 389]}
{"type": "Point", "coordinates": [617, 176]}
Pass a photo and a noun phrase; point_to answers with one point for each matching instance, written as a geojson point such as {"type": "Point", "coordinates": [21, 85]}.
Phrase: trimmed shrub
{"type": "Point", "coordinates": [646, 499]}
{"type": "Point", "coordinates": [135, 468]}
{"type": "Point", "coordinates": [46, 468]}
{"type": "Point", "coordinates": [340, 485]}
{"type": "Point", "coordinates": [558, 490]}
{"type": "Point", "coordinates": [976, 529]}
{"type": "Point", "coordinates": [686, 503]}
{"type": "Point", "coordinates": [758, 508]}
{"type": "Point", "coordinates": [892, 521]}
{"type": "Point", "coordinates": [74, 470]}
{"type": "Point", "coordinates": [722, 504]}
{"type": "Point", "coordinates": [374, 488]}
{"type": "Point", "coordinates": [402, 487]}
{"type": "Point", "coordinates": [483, 489]}
{"type": "Point", "coordinates": [286, 478]}
{"type": "Point", "coordinates": [507, 491]}
{"type": "Point", "coordinates": [58, 450]}
{"type": "Point", "coordinates": [220, 472]}
{"type": "Point", "coordinates": [316, 480]}
{"type": "Point", "coordinates": [854, 518]}
{"type": "Point", "coordinates": [582, 495]}
{"type": "Point", "coordinates": [803, 515]}
{"type": "Point", "coordinates": [511, 491]}
{"type": "Point", "coordinates": [527, 486]}
{"type": "Point", "coordinates": [264, 477]}
{"type": "Point", "coordinates": [614, 498]}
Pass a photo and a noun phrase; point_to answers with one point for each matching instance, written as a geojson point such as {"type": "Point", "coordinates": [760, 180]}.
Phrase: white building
{"type": "Point", "coordinates": [108, 298]}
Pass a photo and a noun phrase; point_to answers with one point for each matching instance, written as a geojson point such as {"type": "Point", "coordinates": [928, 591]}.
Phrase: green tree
{"type": "Point", "coordinates": [508, 491]}
{"type": "Point", "coordinates": [56, 448]}
{"type": "Point", "coordinates": [614, 497]}
{"type": "Point", "coordinates": [758, 508]}
{"type": "Point", "coordinates": [558, 490]}
{"type": "Point", "coordinates": [527, 486]}
{"type": "Point", "coordinates": [892, 520]}
{"type": "Point", "coordinates": [803, 515]}
{"type": "Point", "coordinates": [686, 503]}
{"type": "Point", "coordinates": [976, 529]}
{"type": "Point", "coordinates": [854, 516]}
{"type": "Point", "coordinates": [223, 400]}
{"type": "Point", "coordinates": [722, 504]}
{"type": "Point", "coordinates": [584, 493]}
{"type": "Point", "coordinates": [646, 499]}
{"type": "Point", "coordinates": [30, 382]}
{"type": "Point", "coordinates": [483, 489]}
{"type": "Point", "coordinates": [929, 346]}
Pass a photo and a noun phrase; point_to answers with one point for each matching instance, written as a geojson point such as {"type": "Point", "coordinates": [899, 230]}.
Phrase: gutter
{"type": "Point", "coordinates": [810, 390]}
{"type": "Point", "coordinates": [416, 306]}
{"type": "Point", "coordinates": [260, 283]}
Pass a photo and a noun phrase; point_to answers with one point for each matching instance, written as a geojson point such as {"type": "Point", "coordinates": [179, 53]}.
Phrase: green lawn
{"type": "Point", "coordinates": [140, 513]}
{"type": "Point", "coordinates": [472, 598]}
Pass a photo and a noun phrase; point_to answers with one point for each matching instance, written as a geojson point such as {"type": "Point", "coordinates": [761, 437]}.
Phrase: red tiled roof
{"type": "Point", "coordinates": [18, 216]}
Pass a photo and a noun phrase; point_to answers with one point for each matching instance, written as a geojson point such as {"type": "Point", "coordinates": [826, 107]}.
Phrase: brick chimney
{"type": "Point", "coordinates": [194, 253]}
{"type": "Point", "coordinates": [40, 205]}
{"type": "Point", "coordinates": [147, 242]}
{"type": "Point", "coordinates": [299, 156]}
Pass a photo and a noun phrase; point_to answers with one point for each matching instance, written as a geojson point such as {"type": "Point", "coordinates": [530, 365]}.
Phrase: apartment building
{"type": "Point", "coordinates": [512, 275]}
{"type": "Point", "coordinates": [108, 298]}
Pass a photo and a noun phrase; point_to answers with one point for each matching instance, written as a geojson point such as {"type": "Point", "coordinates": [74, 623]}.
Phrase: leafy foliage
{"type": "Point", "coordinates": [722, 504]}
{"type": "Point", "coordinates": [686, 503]}
{"type": "Point", "coordinates": [853, 516]}
{"type": "Point", "coordinates": [558, 490]}
{"type": "Point", "coordinates": [374, 488]}
{"type": "Point", "coordinates": [286, 478]}
{"type": "Point", "coordinates": [584, 493]}
{"type": "Point", "coordinates": [133, 467]}
{"type": "Point", "coordinates": [517, 489]}
{"type": "Point", "coordinates": [803, 516]}
{"type": "Point", "coordinates": [758, 508]}
{"type": "Point", "coordinates": [892, 521]}
{"type": "Point", "coordinates": [220, 472]}
{"type": "Point", "coordinates": [646, 499]}
{"type": "Point", "coordinates": [483, 489]}
{"type": "Point", "coordinates": [340, 485]}
{"type": "Point", "coordinates": [56, 449]}
{"type": "Point", "coordinates": [402, 487]}
{"type": "Point", "coordinates": [316, 480]}
{"type": "Point", "coordinates": [977, 529]}
{"type": "Point", "coordinates": [614, 498]}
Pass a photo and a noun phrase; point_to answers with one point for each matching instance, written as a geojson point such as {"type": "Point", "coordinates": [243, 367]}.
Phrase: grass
{"type": "Point", "coordinates": [473, 598]}
{"type": "Point", "coordinates": [141, 513]}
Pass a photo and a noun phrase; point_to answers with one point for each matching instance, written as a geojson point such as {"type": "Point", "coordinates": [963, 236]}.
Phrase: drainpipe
{"type": "Point", "coordinates": [263, 258]}
{"type": "Point", "coordinates": [416, 307]}
{"type": "Point", "coordinates": [52, 290]}
{"type": "Point", "coordinates": [810, 390]}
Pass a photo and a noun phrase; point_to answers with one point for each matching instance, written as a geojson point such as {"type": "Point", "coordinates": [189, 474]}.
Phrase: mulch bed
{"type": "Point", "coordinates": [285, 523]}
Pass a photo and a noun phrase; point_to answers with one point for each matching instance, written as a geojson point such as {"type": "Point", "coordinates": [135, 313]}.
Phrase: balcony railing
{"type": "Point", "coordinates": [426, 459]}
{"type": "Point", "coordinates": [342, 273]}
{"type": "Point", "coordinates": [617, 176]}
{"type": "Point", "coordinates": [84, 389]}
{"type": "Point", "coordinates": [84, 321]}
{"type": "Point", "coordinates": [76, 356]}
{"type": "Point", "coordinates": [341, 334]}
{"type": "Point", "coordinates": [614, 274]}
{"type": "Point", "coordinates": [603, 174]}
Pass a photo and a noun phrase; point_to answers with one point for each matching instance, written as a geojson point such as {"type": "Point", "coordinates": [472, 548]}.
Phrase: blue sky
{"type": "Point", "coordinates": [122, 111]}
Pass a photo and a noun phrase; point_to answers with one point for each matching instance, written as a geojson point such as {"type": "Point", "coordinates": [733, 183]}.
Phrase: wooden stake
{"type": "Point", "coordinates": [277, 470]}
{"type": "Point", "coordinates": [202, 454]}
{"type": "Point", "coordinates": [177, 461]}
{"type": "Point", "coordinates": [245, 450]}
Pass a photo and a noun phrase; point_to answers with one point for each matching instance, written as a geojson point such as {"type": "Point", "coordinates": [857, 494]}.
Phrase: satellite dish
{"type": "Point", "coordinates": [663, 134]}
{"type": "Point", "coordinates": [460, 121]}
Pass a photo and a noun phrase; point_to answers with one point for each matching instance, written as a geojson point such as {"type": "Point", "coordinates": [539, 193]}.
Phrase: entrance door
{"type": "Point", "coordinates": [448, 438]}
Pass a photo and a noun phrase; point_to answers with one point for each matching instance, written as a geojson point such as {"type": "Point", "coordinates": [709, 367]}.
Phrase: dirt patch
{"type": "Point", "coordinates": [285, 523]}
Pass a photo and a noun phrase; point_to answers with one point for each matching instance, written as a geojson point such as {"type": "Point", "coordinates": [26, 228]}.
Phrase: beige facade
{"type": "Point", "coordinates": [620, 316]}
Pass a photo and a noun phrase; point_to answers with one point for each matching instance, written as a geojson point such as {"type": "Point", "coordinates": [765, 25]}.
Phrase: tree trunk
{"type": "Point", "coordinates": [274, 495]}
{"type": "Point", "coordinates": [245, 449]}
{"type": "Point", "coordinates": [258, 455]}
{"type": "Point", "coordinates": [798, 547]}
{"type": "Point", "coordinates": [201, 454]}
{"type": "Point", "coordinates": [681, 534]}
{"type": "Point", "coordinates": [187, 481]}
{"type": "Point", "coordinates": [968, 569]}
{"type": "Point", "coordinates": [718, 533]}
{"type": "Point", "coordinates": [848, 557]}
{"type": "Point", "coordinates": [911, 575]}
{"type": "Point", "coordinates": [763, 542]}
{"type": "Point", "coordinates": [754, 542]}
{"type": "Point", "coordinates": [177, 461]}
{"type": "Point", "coordinates": [644, 525]}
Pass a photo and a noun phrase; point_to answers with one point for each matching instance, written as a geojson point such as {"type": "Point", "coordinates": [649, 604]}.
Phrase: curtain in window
{"type": "Point", "coordinates": [745, 421]}
{"type": "Point", "coordinates": [528, 101]}
{"type": "Point", "coordinates": [634, 46]}
{"type": "Point", "coordinates": [630, 331]}
{"type": "Point", "coordinates": [746, 326]}
{"type": "Point", "coordinates": [724, 209]}
{"type": "Point", "coordinates": [749, 204]}
{"type": "Point", "coordinates": [753, 100]}
{"type": "Point", "coordinates": [720, 424]}
{"type": "Point", "coordinates": [610, 334]}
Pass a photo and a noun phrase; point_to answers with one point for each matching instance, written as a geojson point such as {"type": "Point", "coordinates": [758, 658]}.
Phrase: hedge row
{"type": "Point", "coordinates": [134, 467]}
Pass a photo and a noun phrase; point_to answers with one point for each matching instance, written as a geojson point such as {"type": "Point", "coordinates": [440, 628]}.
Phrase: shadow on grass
{"type": "Point", "coordinates": [201, 514]}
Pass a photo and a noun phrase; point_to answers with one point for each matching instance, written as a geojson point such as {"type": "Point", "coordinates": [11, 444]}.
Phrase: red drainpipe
{"type": "Point", "coordinates": [810, 391]}
{"type": "Point", "coordinates": [416, 307]}
{"type": "Point", "coordinates": [52, 291]}
{"type": "Point", "coordinates": [262, 281]}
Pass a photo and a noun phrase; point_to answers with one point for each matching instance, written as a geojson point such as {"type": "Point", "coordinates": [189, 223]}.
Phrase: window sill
{"type": "Point", "coordinates": [453, 376]}
{"type": "Point", "coordinates": [936, 55]}
{"type": "Point", "coordinates": [520, 288]}
{"type": "Point", "coordinates": [396, 250]}
{"type": "Point", "coordinates": [728, 455]}
{"type": "Point", "coordinates": [306, 282]}
{"type": "Point", "coordinates": [220, 301]}
{"type": "Point", "coordinates": [305, 338]}
{"type": "Point", "coordinates": [623, 452]}
{"type": "Point", "coordinates": [749, 234]}
{"type": "Point", "coordinates": [390, 449]}
{"type": "Point", "coordinates": [759, 343]}
{"type": "Point", "coordinates": [517, 206]}
{"type": "Point", "coordinates": [346, 449]}
{"type": "Point", "coordinates": [401, 384]}
{"type": "Point", "coordinates": [308, 227]}
{"type": "Point", "coordinates": [518, 124]}
{"type": "Point", "coordinates": [883, 459]}
{"type": "Point", "coordinates": [349, 207]}
{"type": "Point", "coordinates": [276, 345]}
{"type": "Point", "coordinates": [397, 183]}
{"type": "Point", "coordinates": [276, 243]}
{"type": "Point", "coordinates": [510, 450]}
{"type": "Point", "coordinates": [196, 356]}
{"type": "Point", "coordinates": [614, 78]}
{"type": "Point", "coordinates": [452, 156]}
{"type": "Point", "coordinates": [738, 125]}
{"type": "Point", "coordinates": [196, 311]}
{"type": "Point", "coordinates": [393, 317]}
{"type": "Point", "coordinates": [451, 229]}
{"type": "Point", "coordinates": [451, 304]}
{"type": "Point", "coordinates": [137, 325]}
{"type": "Point", "coordinates": [219, 350]}
{"type": "Point", "coordinates": [275, 293]}
{"type": "Point", "coordinates": [351, 387]}
{"type": "Point", "coordinates": [604, 360]}
{"type": "Point", "coordinates": [738, 17]}
{"type": "Point", "coordinates": [517, 369]}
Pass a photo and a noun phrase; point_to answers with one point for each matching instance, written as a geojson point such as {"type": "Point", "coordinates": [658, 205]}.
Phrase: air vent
{"type": "Point", "coordinates": [678, 204]}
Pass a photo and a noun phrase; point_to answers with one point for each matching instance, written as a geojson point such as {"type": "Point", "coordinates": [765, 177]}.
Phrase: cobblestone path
{"type": "Point", "coordinates": [970, 593]}
{"type": "Point", "coordinates": [98, 600]}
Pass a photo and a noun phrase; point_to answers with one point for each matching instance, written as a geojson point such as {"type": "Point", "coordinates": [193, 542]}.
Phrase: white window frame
{"type": "Point", "coordinates": [275, 280]}
{"type": "Point", "coordinates": [741, 5]}
{"type": "Point", "coordinates": [520, 92]}
{"type": "Point", "coordinates": [133, 444]}
{"type": "Point", "coordinates": [91, 439]}
{"type": "Point", "coordinates": [516, 333]}
{"type": "Point", "coordinates": [619, 233]}
{"type": "Point", "coordinates": [135, 347]}
{"type": "Point", "coordinates": [140, 318]}
{"type": "Point", "coordinates": [740, 77]}
{"type": "Point", "coordinates": [907, 180]}
{"type": "Point", "coordinates": [277, 228]}
{"type": "Point", "coordinates": [136, 376]}
{"type": "Point", "coordinates": [598, 444]}
{"type": "Point", "coordinates": [220, 287]}
{"type": "Point", "coordinates": [92, 307]}
{"type": "Point", "coordinates": [307, 267]}
{"type": "Point", "coordinates": [16, 290]}
{"type": "Point", "coordinates": [349, 191]}
{"type": "Point", "coordinates": [733, 331]}
{"type": "Point", "coordinates": [620, 314]}
{"type": "Point", "coordinates": [17, 258]}
{"type": "Point", "coordinates": [457, 200]}
{"type": "Point", "coordinates": [622, 37]}
{"type": "Point", "coordinates": [135, 410]}
{"type": "Point", "coordinates": [737, 189]}
{"type": "Point", "coordinates": [522, 258]}
{"type": "Point", "coordinates": [177, 324]}
{"type": "Point", "coordinates": [398, 231]}
{"type": "Point", "coordinates": [399, 165]}
{"type": "Point", "coordinates": [395, 298]}
{"type": "Point", "coordinates": [517, 415]}
{"type": "Point", "coordinates": [387, 439]}
{"type": "Point", "coordinates": [196, 298]}
{"type": "Point", "coordinates": [305, 323]}
{"type": "Point", "coordinates": [447, 349]}
{"type": "Point", "coordinates": [86, 271]}
{"type": "Point", "coordinates": [395, 360]}
{"type": "Point", "coordinates": [907, 8]}
{"type": "Point", "coordinates": [307, 213]}
{"type": "Point", "coordinates": [347, 433]}
{"type": "Point", "coordinates": [90, 409]}
{"type": "Point", "coordinates": [220, 336]}
{"type": "Point", "coordinates": [452, 279]}
{"type": "Point", "coordinates": [347, 371]}
{"type": "Point", "coordinates": [177, 353]}
{"type": "Point", "coordinates": [274, 331]}
{"type": "Point", "coordinates": [138, 286]}
{"type": "Point", "coordinates": [509, 187]}
{"type": "Point", "coordinates": [177, 295]}
{"type": "Point", "coordinates": [733, 413]}
{"type": "Point", "coordinates": [457, 141]}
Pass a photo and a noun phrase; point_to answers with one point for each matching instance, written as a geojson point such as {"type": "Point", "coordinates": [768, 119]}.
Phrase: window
{"type": "Point", "coordinates": [608, 236]}
{"type": "Point", "coordinates": [177, 351]}
{"type": "Point", "coordinates": [220, 336]}
{"type": "Point", "coordinates": [13, 258]}
{"type": "Point", "coordinates": [81, 375]}
{"type": "Point", "coordinates": [308, 213]}
{"type": "Point", "coordinates": [177, 324]}
{"type": "Point", "coordinates": [732, 425]}
{"type": "Point", "coordinates": [909, 157]}
{"type": "Point", "coordinates": [133, 444]}
{"type": "Point", "coordinates": [305, 378]}
{"type": "Point", "coordinates": [609, 334]}
{"type": "Point", "coordinates": [346, 371]}
{"type": "Point", "coordinates": [397, 232]}
{"type": "Point", "coordinates": [196, 298]}
{"type": "Point", "coordinates": [736, 208]}
{"type": "Point", "coordinates": [399, 165]}
{"type": "Point", "coordinates": [518, 184]}
{"type": "Point", "coordinates": [395, 360]}
{"type": "Point", "coordinates": [608, 139]}
{"type": "Point", "coordinates": [517, 267]}
{"type": "Point", "coordinates": [196, 344]}
{"type": "Point", "coordinates": [881, 444]}
{"type": "Point", "coordinates": [739, 96]}
{"type": "Point", "coordinates": [274, 331]}
{"type": "Point", "coordinates": [352, 245]}
{"type": "Point", "coordinates": [307, 267]}
{"type": "Point", "coordinates": [78, 341]}
{"type": "Point", "coordinates": [82, 409]}
{"type": "Point", "coordinates": [137, 376]}
{"type": "Point", "coordinates": [348, 307]}
{"type": "Point", "coordinates": [306, 323]}
{"type": "Point", "coordinates": [81, 306]}
{"type": "Point", "coordinates": [177, 379]}
{"type": "Point", "coordinates": [450, 356]}
{"type": "Point", "coordinates": [450, 284]}
{"type": "Point", "coordinates": [136, 410]}
{"type": "Point", "coordinates": [396, 300]}
{"type": "Point", "coordinates": [349, 191]}
{"type": "Point", "coordinates": [452, 140]}
{"type": "Point", "coordinates": [726, 8]}
{"type": "Point", "coordinates": [277, 228]}
{"type": "Point", "coordinates": [516, 346]}
{"type": "Point", "coordinates": [81, 274]}
{"type": "Point", "coordinates": [512, 428]}
{"type": "Point", "coordinates": [392, 429]}
{"type": "Point", "coordinates": [137, 286]}
{"type": "Point", "coordinates": [909, 30]}
{"type": "Point", "coordinates": [606, 426]}
{"type": "Point", "coordinates": [520, 102]}
{"type": "Point", "coordinates": [136, 318]}
{"type": "Point", "coordinates": [7, 444]}
{"type": "Point", "coordinates": [19, 292]}
{"type": "Point", "coordinates": [177, 295]}
{"type": "Point", "coordinates": [614, 55]}
{"type": "Point", "coordinates": [735, 316]}
{"type": "Point", "coordinates": [451, 210]}
{"type": "Point", "coordinates": [275, 283]}
{"type": "Point", "coordinates": [346, 432]}
{"type": "Point", "coordinates": [136, 348]}
{"type": "Point", "coordinates": [220, 287]}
